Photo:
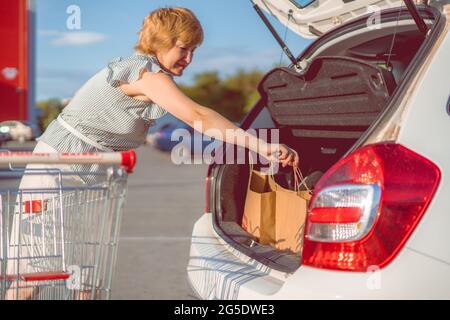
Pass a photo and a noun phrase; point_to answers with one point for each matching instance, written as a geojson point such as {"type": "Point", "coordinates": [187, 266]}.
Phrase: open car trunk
{"type": "Point", "coordinates": [321, 112]}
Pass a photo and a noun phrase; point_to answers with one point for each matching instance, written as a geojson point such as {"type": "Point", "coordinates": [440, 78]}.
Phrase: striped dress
{"type": "Point", "coordinates": [101, 112]}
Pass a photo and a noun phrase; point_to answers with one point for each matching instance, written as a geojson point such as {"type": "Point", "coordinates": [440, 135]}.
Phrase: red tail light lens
{"type": "Point", "coordinates": [335, 215]}
{"type": "Point", "coordinates": [366, 206]}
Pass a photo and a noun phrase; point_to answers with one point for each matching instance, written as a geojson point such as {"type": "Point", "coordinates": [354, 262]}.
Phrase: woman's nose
{"type": "Point", "coordinates": [188, 57]}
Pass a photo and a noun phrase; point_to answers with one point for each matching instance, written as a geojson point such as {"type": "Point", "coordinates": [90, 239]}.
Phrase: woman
{"type": "Point", "coordinates": [113, 110]}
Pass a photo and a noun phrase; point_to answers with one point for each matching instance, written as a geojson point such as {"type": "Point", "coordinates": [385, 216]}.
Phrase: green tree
{"type": "Point", "coordinates": [50, 109]}
{"type": "Point", "coordinates": [231, 97]}
{"type": "Point", "coordinates": [247, 84]}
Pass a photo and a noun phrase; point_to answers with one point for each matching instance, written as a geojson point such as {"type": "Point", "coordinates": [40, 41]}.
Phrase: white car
{"type": "Point", "coordinates": [18, 130]}
{"type": "Point", "coordinates": [367, 108]}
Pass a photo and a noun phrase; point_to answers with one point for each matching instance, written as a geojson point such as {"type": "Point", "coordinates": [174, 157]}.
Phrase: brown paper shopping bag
{"type": "Point", "coordinates": [259, 202]}
{"type": "Point", "coordinates": [283, 228]}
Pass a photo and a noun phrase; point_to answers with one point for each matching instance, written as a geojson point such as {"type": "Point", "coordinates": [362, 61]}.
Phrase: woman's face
{"type": "Point", "coordinates": [177, 58]}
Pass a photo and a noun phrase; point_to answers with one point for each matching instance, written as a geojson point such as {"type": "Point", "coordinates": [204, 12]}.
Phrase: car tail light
{"type": "Point", "coordinates": [343, 213]}
{"type": "Point", "coordinates": [366, 206]}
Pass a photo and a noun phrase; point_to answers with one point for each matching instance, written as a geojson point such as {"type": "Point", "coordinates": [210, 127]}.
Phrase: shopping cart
{"type": "Point", "coordinates": [60, 241]}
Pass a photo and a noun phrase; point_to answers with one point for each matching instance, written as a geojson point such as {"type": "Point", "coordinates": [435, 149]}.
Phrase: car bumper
{"type": "Point", "coordinates": [218, 271]}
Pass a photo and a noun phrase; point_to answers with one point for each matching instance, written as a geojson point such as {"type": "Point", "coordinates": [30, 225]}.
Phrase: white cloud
{"type": "Point", "coordinates": [79, 38]}
{"type": "Point", "coordinates": [73, 38]}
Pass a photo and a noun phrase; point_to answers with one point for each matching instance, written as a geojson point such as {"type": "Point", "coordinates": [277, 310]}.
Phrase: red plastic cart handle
{"type": "Point", "coordinates": [35, 206]}
{"type": "Point", "coordinates": [38, 276]}
{"type": "Point", "coordinates": [125, 158]}
{"type": "Point", "coordinates": [129, 160]}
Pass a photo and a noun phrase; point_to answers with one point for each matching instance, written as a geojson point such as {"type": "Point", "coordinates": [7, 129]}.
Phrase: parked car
{"type": "Point", "coordinates": [187, 143]}
{"type": "Point", "coordinates": [198, 148]}
{"type": "Point", "coordinates": [35, 129]}
{"type": "Point", "coordinates": [18, 130]}
{"type": "Point", "coordinates": [160, 132]}
{"type": "Point", "coordinates": [368, 109]}
{"type": "Point", "coordinates": [4, 137]}
{"type": "Point", "coordinates": [193, 147]}
{"type": "Point", "coordinates": [161, 139]}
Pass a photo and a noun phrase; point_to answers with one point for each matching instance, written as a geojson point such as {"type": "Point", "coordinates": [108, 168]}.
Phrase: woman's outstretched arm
{"type": "Point", "coordinates": [162, 90]}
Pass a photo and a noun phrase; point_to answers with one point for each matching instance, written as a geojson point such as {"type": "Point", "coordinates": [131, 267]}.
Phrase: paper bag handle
{"type": "Point", "coordinates": [299, 180]}
{"type": "Point", "coordinates": [298, 177]}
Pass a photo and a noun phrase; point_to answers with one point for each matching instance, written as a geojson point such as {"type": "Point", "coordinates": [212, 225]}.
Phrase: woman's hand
{"type": "Point", "coordinates": [283, 154]}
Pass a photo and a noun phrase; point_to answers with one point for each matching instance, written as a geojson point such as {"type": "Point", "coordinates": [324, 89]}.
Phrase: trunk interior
{"type": "Point", "coordinates": [321, 113]}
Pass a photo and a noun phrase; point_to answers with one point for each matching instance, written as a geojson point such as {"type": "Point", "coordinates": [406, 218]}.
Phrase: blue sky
{"type": "Point", "coordinates": [235, 37]}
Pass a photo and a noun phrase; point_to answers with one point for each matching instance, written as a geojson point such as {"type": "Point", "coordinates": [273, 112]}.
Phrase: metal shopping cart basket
{"type": "Point", "coordinates": [58, 235]}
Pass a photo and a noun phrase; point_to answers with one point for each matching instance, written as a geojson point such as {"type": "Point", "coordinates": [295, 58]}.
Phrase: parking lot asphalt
{"type": "Point", "coordinates": [164, 200]}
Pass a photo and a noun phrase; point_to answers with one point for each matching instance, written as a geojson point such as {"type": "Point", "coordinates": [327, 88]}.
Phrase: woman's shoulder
{"type": "Point", "coordinates": [128, 69]}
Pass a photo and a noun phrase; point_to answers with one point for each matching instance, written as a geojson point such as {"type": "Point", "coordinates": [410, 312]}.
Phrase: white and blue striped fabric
{"type": "Point", "coordinates": [104, 114]}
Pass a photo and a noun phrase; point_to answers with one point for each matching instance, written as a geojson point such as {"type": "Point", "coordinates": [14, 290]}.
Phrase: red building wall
{"type": "Point", "coordinates": [13, 60]}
